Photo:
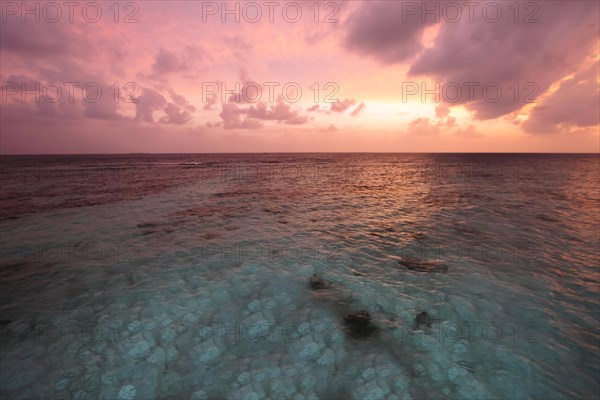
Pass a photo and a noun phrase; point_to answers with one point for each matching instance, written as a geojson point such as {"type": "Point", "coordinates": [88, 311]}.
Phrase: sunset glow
{"type": "Point", "coordinates": [373, 76]}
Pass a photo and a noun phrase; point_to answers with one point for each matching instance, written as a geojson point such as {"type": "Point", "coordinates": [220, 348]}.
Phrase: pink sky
{"type": "Point", "coordinates": [486, 76]}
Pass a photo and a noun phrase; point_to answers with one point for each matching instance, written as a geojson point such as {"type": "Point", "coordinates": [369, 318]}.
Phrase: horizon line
{"type": "Point", "coordinates": [296, 152]}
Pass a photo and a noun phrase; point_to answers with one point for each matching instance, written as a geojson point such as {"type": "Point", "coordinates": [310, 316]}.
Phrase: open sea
{"type": "Point", "coordinates": [189, 276]}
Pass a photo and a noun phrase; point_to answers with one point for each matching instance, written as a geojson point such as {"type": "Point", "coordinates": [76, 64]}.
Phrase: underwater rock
{"type": "Point", "coordinates": [360, 324]}
{"type": "Point", "coordinates": [414, 264]}
{"type": "Point", "coordinates": [360, 318]}
{"type": "Point", "coordinates": [423, 320]}
{"type": "Point", "coordinates": [317, 282]}
{"type": "Point", "coordinates": [148, 225]}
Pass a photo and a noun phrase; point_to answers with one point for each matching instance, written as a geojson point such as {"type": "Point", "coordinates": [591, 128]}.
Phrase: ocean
{"type": "Point", "coordinates": [300, 276]}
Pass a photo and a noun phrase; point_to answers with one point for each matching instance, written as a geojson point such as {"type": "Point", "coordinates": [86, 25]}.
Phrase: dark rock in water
{"type": "Point", "coordinates": [360, 324]}
{"type": "Point", "coordinates": [360, 318]}
{"type": "Point", "coordinates": [423, 320]}
{"type": "Point", "coordinates": [414, 264]}
{"type": "Point", "coordinates": [148, 225]}
{"type": "Point", "coordinates": [5, 322]}
{"type": "Point", "coordinates": [317, 282]}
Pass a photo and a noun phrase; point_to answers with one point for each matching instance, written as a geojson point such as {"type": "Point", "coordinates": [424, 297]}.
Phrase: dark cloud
{"type": "Point", "coordinates": [533, 56]}
{"type": "Point", "coordinates": [509, 53]}
{"type": "Point", "coordinates": [53, 100]}
{"type": "Point", "coordinates": [18, 84]}
{"type": "Point", "coordinates": [378, 29]}
{"type": "Point", "coordinates": [42, 113]}
{"type": "Point", "coordinates": [149, 102]}
{"type": "Point", "coordinates": [41, 40]}
{"type": "Point", "coordinates": [575, 104]}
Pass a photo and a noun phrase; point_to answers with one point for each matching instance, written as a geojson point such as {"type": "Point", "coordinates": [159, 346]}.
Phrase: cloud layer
{"type": "Point", "coordinates": [147, 80]}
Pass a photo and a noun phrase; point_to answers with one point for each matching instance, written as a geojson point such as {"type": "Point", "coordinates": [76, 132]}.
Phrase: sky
{"type": "Point", "coordinates": [304, 76]}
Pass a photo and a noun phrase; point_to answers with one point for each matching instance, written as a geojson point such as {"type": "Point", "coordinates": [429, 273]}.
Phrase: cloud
{"type": "Point", "coordinates": [503, 53]}
{"type": "Point", "coordinates": [509, 53]}
{"type": "Point", "coordinates": [280, 111]}
{"type": "Point", "coordinates": [249, 92]}
{"type": "Point", "coordinates": [42, 40]}
{"type": "Point", "coordinates": [376, 45]}
{"type": "Point", "coordinates": [178, 111]}
{"type": "Point", "coordinates": [358, 109]}
{"type": "Point", "coordinates": [250, 118]}
{"type": "Point", "coordinates": [383, 30]}
{"type": "Point", "coordinates": [174, 115]}
{"type": "Point", "coordinates": [180, 100]}
{"type": "Point", "coordinates": [232, 118]}
{"type": "Point", "coordinates": [53, 100]}
{"type": "Point", "coordinates": [575, 104]}
{"type": "Point", "coordinates": [442, 110]}
{"type": "Point", "coordinates": [297, 120]}
{"type": "Point", "coordinates": [211, 102]}
{"type": "Point", "coordinates": [185, 63]}
{"type": "Point", "coordinates": [149, 102]}
{"type": "Point", "coordinates": [340, 107]}
{"type": "Point", "coordinates": [343, 105]}
{"type": "Point", "coordinates": [421, 126]}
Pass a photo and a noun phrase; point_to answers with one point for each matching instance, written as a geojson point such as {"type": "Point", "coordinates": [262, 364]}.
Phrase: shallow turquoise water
{"type": "Point", "coordinates": [187, 276]}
